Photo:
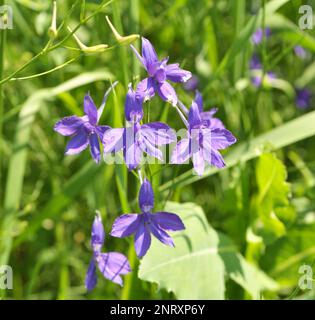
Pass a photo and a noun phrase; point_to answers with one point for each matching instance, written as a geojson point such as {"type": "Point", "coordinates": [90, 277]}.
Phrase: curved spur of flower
{"type": "Point", "coordinates": [202, 143]}
{"type": "Point", "coordinates": [84, 130]}
{"type": "Point", "coordinates": [111, 264]}
{"type": "Point", "coordinates": [146, 223]}
{"type": "Point", "coordinates": [207, 117]}
{"type": "Point", "coordinates": [137, 138]}
{"type": "Point", "coordinates": [158, 74]}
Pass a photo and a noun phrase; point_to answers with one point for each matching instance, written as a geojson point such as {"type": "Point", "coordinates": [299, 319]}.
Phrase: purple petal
{"type": "Point", "coordinates": [176, 74]}
{"type": "Point", "coordinates": [138, 56]}
{"type": "Point", "coordinates": [198, 161]}
{"type": "Point", "coordinates": [158, 133]}
{"type": "Point", "coordinates": [191, 84]}
{"type": "Point", "coordinates": [78, 143]}
{"type": "Point", "coordinates": [113, 140]}
{"type": "Point", "coordinates": [181, 152]}
{"type": "Point", "coordinates": [133, 106]}
{"type": "Point", "coordinates": [303, 98]}
{"type": "Point", "coordinates": [112, 265]}
{"type": "Point", "coordinates": [125, 225]}
{"type": "Point", "coordinates": [199, 100]}
{"type": "Point", "coordinates": [146, 196]}
{"type": "Point", "coordinates": [300, 52]}
{"type": "Point", "coordinates": [98, 234]}
{"type": "Point", "coordinates": [145, 89]}
{"type": "Point", "coordinates": [100, 130]}
{"type": "Point", "coordinates": [90, 109]}
{"type": "Point", "coordinates": [221, 138]}
{"type": "Point", "coordinates": [194, 118]}
{"type": "Point", "coordinates": [167, 93]}
{"type": "Point", "coordinates": [161, 235]}
{"type": "Point", "coordinates": [132, 153]}
{"type": "Point", "coordinates": [148, 53]}
{"type": "Point", "coordinates": [68, 125]}
{"type": "Point", "coordinates": [255, 63]}
{"type": "Point", "coordinates": [90, 279]}
{"type": "Point", "coordinates": [168, 221]}
{"type": "Point", "coordinates": [142, 240]}
{"type": "Point", "coordinates": [213, 157]}
{"type": "Point", "coordinates": [147, 146]}
{"type": "Point", "coordinates": [95, 147]}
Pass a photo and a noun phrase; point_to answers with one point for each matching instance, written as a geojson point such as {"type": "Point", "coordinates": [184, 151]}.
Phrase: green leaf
{"type": "Point", "coordinates": [272, 206]}
{"type": "Point", "coordinates": [196, 267]}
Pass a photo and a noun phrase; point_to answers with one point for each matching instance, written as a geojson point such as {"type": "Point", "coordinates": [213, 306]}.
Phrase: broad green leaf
{"type": "Point", "coordinates": [272, 203]}
{"type": "Point", "coordinates": [289, 133]}
{"type": "Point", "coordinates": [284, 257]}
{"type": "Point", "coordinates": [202, 257]}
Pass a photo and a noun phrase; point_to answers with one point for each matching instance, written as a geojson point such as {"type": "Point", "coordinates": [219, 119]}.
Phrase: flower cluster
{"type": "Point", "coordinates": [204, 138]}
{"type": "Point", "coordinates": [259, 77]}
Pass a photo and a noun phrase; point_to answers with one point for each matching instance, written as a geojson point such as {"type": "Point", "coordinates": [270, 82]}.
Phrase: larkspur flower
{"type": "Point", "coordinates": [137, 139]}
{"type": "Point", "coordinates": [256, 68]}
{"type": "Point", "coordinates": [191, 84]}
{"type": "Point", "coordinates": [255, 63]}
{"type": "Point", "coordinates": [112, 264]}
{"type": "Point", "coordinates": [146, 223]}
{"type": "Point", "coordinates": [257, 36]}
{"type": "Point", "coordinates": [303, 98]}
{"type": "Point", "coordinates": [85, 130]}
{"type": "Point", "coordinates": [159, 72]}
{"type": "Point", "coordinates": [202, 143]}
{"type": "Point", "coordinates": [300, 52]}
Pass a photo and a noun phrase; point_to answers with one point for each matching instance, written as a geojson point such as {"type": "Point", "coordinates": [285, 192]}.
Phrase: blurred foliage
{"type": "Point", "coordinates": [262, 204]}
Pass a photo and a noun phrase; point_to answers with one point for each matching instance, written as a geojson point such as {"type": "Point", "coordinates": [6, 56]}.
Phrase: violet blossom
{"type": "Point", "coordinates": [300, 52]}
{"type": "Point", "coordinates": [146, 223]}
{"type": "Point", "coordinates": [202, 143]}
{"type": "Point", "coordinates": [111, 264]}
{"type": "Point", "coordinates": [256, 68]}
{"type": "Point", "coordinates": [191, 84]}
{"type": "Point", "coordinates": [303, 98]}
{"type": "Point", "coordinates": [137, 138]}
{"type": "Point", "coordinates": [258, 35]}
{"type": "Point", "coordinates": [158, 74]}
{"type": "Point", "coordinates": [84, 130]}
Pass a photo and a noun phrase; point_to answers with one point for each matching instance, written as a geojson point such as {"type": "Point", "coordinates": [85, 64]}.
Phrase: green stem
{"type": "Point", "coordinates": [2, 45]}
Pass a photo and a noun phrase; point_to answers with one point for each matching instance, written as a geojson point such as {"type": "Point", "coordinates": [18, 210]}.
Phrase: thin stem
{"type": "Point", "coordinates": [182, 116]}
{"type": "Point", "coordinates": [49, 48]}
{"type": "Point", "coordinates": [2, 44]}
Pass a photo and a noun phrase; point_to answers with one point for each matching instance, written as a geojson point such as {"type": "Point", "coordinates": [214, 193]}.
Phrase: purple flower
{"type": "Point", "coordinates": [300, 52]}
{"type": "Point", "coordinates": [159, 71]}
{"type": "Point", "coordinates": [303, 98]}
{"type": "Point", "coordinates": [207, 116]}
{"type": "Point", "coordinates": [142, 225]}
{"type": "Point", "coordinates": [191, 84]}
{"type": "Point", "coordinates": [255, 63]}
{"type": "Point", "coordinates": [111, 264]}
{"type": "Point", "coordinates": [202, 143]}
{"type": "Point", "coordinates": [257, 36]}
{"type": "Point", "coordinates": [85, 130]}
{"type": "Point", "coordinates": [137, 138]}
